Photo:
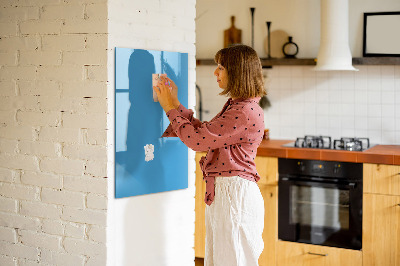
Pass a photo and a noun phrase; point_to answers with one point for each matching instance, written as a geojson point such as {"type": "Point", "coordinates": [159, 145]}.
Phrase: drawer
{"type": "Point", "coordinates": [381, 179]}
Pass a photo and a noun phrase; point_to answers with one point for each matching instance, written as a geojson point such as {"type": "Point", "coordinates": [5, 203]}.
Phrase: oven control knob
{"type": "Point", "coordinates": [336, 169]}
{"type": "Point", "coordinates": [302, 167]}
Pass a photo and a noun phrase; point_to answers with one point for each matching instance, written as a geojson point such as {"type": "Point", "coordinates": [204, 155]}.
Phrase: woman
{"type": "Point", "coordinates": [235, 207]}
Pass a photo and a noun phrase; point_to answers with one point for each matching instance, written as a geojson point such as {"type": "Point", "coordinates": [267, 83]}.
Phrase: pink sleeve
{"type": "Point", "coordinates": [223, 131]}
{"type": "Point", "coordinates": [187, 113]}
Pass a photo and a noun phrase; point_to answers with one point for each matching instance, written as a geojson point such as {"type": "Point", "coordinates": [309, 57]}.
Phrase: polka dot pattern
{"type": "Point", "coordinates": [231, 139]}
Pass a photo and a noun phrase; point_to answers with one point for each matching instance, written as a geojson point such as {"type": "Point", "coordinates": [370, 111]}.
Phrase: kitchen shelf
{"type": "Point", "coordinates": [312, 61]}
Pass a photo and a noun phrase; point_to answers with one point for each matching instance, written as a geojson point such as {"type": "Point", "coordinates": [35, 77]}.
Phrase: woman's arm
{"type": "Point", "coordinates": [228, 129]}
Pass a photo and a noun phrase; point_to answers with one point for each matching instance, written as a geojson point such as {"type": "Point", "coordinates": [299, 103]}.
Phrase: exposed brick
{"type": "Point", "coordinates": [100, 260]}
{"type": "Point", "coordinates": [66, 135]}
{"type": "Point", "coordinates": [53, 227]}
{"type": "Point", "coordinates": [87, 88]}
{"type": "Point", "coordinates": [38, 209]}
{"type": "Point", "coordinates": [39, 58]}
{"type": "Point", "coordinates": [41, 179]}
{"type": "Point", "coordinates": [7, 175]}
{"type": "Point", "coordinates": [97, 11]}
{"type": "Point", "coordinates": [26, 103]}
{"type": "Point", "coordinates": [98, 73]}
{"type": "Point", "coordinates": [19, 221]}
{"type": "Point", "coordinates": [8, 58]}
{"type": "Point", "coordinates": [34, 239]}
{"type": "Point", "coordinates": [86, 184]}
{"type": "Point", "coordinates": [40, 148]}
{"type": "Point", "coordinates": [19, 13]}
{"type": "Point", "coordinates": [61, 259]}
{"type": "Point", "coordinates": [19, 43]}
{"type": "Point", "coordinates": [34, 2]}
{"type": "Point", "coordinates": [8, 234]}
{"type": "Point", "coordinates": [75, 230]}
{"type": "Point", "coordinates": [39, 118]}
{"type": "Point", "coordinates": [39, 87]}
{"type": "Point", "coordinates": [63, 197]}
{"type": "Point", "coordinates": [7, 88]}
{"type": "Point", "coordinates": [62, 12]}
{"type": "Point", "coordinates": [8, 146]}
{"type": "Point", "coordinates": [84, 216]}
{"type": "Point", "coordinates": [8, 117]}
{"type": "Point", "coordinates": [8, 261]}
{"type": "Point", "coordinates": [98, 121]}
{"type": "Point", "coordinates": [18, 72]}
{"type": "Point", "coordinates": [65, 42]}
{"type": "Point", "coordinates": [8, 205]}
{"type": "Point", "coordinates": [25, 262]}
{"type": "Point", "coordinates": [95, 136]}
{"type": "Point", "coordinates": [85, 152]}
{"type": "Point", "coordinates": [84, 26]}
{"type": "Point", "coordinates": [40, 27]}
{"type": "Point", "coordinates": [97, 234]}
{"type": "Point", "coordinates": [84, 247]}
{"type": "Point", "coordinates": [62, 166]}
{"type": "Point", "coordinates": [63, 104]}
{"type": "Point", "coordinates": [96, 169]}
{"type": "Point", "coordinates": [60, 73]}
{"type": "Point", "coordinates": [97, 42]}
{"type": "Point", "coordinates": [16, 132]}
{"type": "Point", "coordinates": [89, 57]}
{"type": "Point", "coordinates": [18, 250]}
{"type": "Point", "coordinates": [18, 191]}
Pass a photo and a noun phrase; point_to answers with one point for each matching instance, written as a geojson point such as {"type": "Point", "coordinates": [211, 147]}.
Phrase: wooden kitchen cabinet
{"type": "Point", "coordinates": [200, 207]}
{"type": "Point", "coordinates": [381, 179]}
{"type": "Point", "coordinates": [381, 215]}
{"type": "Point", "coordinates": [267, 167]}
{"type": "Point", "coordinates": [381, 230]}
{"type": "Point", "coordinates": [270, 233]}
{"type": "Point", "coordinates": [298, 254]}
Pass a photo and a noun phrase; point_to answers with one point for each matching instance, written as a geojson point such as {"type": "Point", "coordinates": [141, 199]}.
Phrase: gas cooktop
{"type": "Point", "coordinates": [325, 142]}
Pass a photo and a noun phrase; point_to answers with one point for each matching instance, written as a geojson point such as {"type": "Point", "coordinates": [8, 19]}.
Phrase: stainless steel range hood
{"type": "Point", "coordinates": [334, 52]}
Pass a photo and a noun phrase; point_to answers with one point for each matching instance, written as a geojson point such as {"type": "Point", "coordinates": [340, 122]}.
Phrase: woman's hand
{"type": "Point", "coordinates": [174, 91]}
{"type": "Point", "coordinates": [164, 95]}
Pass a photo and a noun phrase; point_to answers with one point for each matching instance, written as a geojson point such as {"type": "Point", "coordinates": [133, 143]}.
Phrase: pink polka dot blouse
{"type": "Point", "coordinates": [231, 139]}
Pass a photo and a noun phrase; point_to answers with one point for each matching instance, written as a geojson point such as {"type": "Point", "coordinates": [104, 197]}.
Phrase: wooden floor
{"type": "Point", "coordinates": [199, 262]}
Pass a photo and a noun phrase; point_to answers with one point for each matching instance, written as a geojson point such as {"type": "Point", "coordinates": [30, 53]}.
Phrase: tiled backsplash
{"type": "Point", "coordinates": [333, 103]}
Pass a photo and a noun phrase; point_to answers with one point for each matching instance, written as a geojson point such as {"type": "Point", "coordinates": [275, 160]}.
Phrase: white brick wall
{"type": "Point", "coordinates": [156, 229]}
{"type": "Point", "coordinates": [53, 107]}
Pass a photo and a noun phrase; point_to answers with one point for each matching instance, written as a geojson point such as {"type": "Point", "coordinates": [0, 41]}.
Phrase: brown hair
{"type": "Point", "coordinates": [245, 78]}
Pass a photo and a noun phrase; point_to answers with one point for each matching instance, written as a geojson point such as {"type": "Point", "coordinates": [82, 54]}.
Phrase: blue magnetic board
{"type": "Point", "coordinates": [140, 122]}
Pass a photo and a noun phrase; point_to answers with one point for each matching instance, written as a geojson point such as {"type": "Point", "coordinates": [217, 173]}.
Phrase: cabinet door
{"type": "Point", "coordinates": [200, 207]}
{"type": "Point", "coordinates": [297, 254]}
{"type": "Point", "coordinates": [381, 230]}
{"type": "Point", "coordinates": [270, 233]}
{"type": "Point", "coordinates": [381, 179]}
{"type": "Point", "coordinates": [267, 168]}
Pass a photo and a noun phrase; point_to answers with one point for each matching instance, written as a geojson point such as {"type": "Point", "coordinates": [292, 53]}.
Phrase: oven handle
{"type": "Point", "coordinates": [297, 181]}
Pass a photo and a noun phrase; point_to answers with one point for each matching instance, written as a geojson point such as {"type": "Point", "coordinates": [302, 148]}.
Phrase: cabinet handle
{"type": "Point", "coordinates": [398, 204]}
{"type": "Point", "coordinates": [318, 254]}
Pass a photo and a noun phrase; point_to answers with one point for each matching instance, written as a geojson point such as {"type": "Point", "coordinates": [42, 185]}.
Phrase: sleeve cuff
{"type": "Point", "coordinates": [172, 114]}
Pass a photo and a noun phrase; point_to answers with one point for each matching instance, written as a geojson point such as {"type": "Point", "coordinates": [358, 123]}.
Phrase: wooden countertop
{"type": "Point", "coordinates": [379, 154]}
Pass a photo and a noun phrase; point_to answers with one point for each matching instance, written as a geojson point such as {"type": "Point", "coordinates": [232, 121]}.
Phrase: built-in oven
{"type": "Point", "coordinates": [320, 202]}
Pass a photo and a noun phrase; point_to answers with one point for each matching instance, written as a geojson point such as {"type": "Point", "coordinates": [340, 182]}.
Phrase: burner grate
{"type": "Point", "coordinates": [320, 142]}
{"type": "Point", "coordinates": [351, 144]}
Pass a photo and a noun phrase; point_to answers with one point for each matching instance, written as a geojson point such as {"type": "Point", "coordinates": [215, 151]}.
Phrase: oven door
{"type": "Point", "coordinates": [321, 212]}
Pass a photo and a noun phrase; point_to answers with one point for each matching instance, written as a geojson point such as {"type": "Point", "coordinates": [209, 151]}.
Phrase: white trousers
{"type": "Point", "coordinates": [234, 223]}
